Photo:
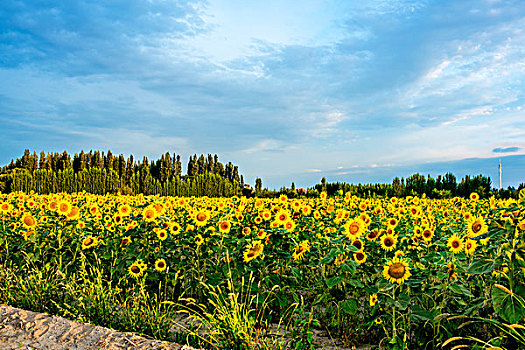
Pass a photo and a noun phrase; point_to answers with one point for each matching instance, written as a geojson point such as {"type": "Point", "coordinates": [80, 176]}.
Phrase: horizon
{"type": "Point", "coordinates": [356, 92]}
{"type": "Point", "coordinates": [457, 168]}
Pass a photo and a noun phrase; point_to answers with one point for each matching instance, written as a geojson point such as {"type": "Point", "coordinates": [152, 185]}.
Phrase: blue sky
{"type": "Point", "coordinates": [357, 91]}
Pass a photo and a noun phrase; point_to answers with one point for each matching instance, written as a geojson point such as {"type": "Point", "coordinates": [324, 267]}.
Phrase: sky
{"type": "Point", "coordinates": [354, 91]}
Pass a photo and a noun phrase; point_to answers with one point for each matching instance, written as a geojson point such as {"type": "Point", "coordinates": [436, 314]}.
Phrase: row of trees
{"type": "Point", "coordinates": [445, 186]}
{"type": "Point", "coordinates": [101, 173]}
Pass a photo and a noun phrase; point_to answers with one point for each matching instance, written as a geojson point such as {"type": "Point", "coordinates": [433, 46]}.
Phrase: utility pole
{"type": "Point", "coordinates": [500, 174]}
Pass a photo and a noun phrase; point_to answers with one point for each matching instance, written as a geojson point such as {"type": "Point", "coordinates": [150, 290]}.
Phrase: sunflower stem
{"type": "Point", "coordinates": [394, 333]}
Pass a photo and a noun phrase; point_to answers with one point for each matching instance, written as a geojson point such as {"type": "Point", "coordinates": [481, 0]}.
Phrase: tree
{"type": "Point", "coordinates": [258, 185]}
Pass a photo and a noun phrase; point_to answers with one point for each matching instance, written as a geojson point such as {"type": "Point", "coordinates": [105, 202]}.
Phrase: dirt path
{"type": "Point", "coordinates": [27, 330]}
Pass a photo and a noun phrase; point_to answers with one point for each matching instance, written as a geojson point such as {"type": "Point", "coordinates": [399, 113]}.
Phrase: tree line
{"type": "Point", "coordinates": [100, 173]}
{"type": "Point", "coordinates": [443, 186]}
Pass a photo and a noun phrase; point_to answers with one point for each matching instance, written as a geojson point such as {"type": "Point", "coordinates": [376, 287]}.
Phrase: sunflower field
{"type": "Point", "coordinates": [394, 273]}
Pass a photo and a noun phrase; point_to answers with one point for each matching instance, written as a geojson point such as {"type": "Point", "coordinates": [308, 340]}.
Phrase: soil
{"type": "Point", "coordinates": [27, 330]}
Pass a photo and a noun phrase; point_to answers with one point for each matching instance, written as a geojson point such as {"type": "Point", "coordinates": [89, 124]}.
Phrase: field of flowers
{"type": "Point", "coordinates": [392, 272]}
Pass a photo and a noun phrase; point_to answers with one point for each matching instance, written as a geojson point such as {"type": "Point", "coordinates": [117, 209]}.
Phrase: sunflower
{"type": "Point", "coordinates": [399, 253]}
{"type": "Point", "coordinates": [372, 235]}
{"type": "Point", "coordinates": [451, 270]}
{"type": "Point", "coordinates": [415, 210]}
{"type": "Point", "coordinates": [94, 210]}
{"type": "Point", "coordinates": [162, 235]}
{"type": "Point", "coordinates": [427, 234]}
{"type": "Point", "coordinates": [476, 227]}
{"type": "Point", "coordinates": [266, 215]}
{"type": "Point", "coordinates": [474, 196]}
{"type": "Point", "coordinates": [149, 213]}
{"type": "Point", "coordinates": [354, 228]}
{"type": "Point", "coordinates": [29, 221]}
{"type": "Point", "coordinates": [253, 251]}
{"type": "Point", "coordinates": [282, 217]}
{"type": "Point", "coordinates": [135, 270]}
{"type": "Point", "coordinates": [174, 228]}
{"type": "Point", "coordinates": [199, 240]}
{"type": "Point", "coordinates": [470, 246]}
{"type": "Point", "coordinates": [262, 234]}
{"type": "Point", "coordinates": [373, 299]}
{"type": "Point", "coordinates": [5, 207]}
{"type": "Point", "coordinates": [397, 271]}
{"type": "Point", "coordinates": [73, 214]}
{"type": "Point", "coordinates": [339, 259]}
{"type": "Point", "coordinates": [290, 225]}
{"type": "Point", "coordinates": [224, 226]}
{"type": "Point", "coordinates": [80, 225]}
{"type": "Point", "coordinates": [53, 206]}
{"type": "Point", "coordinates": [125, 240]}
{"type": "Point", "coordinates": [160, 265]}
{"type": "Point", "coordinates": [246, 230]}
{"type": "Point", "coordinates": [301, 249]}
{"type": "Point", "coordinates": [64, 207]}
{"type": "Point", "coordinates": [455, 243]}
{"type": "Point", "coordinates": [201, 218]}
{"type": "Point", "coordinates": [388, 242]}
{"type": "Point", "coordinates": [124, 210]}
{"type": "Point", "coordinates": [89, 242]}
{"type": "Point", "coordinates": [358, 244]}
{"type": "Point", "coordinates": [392, 222]}
{"type": "Point", "coordinates": [500, 270]}
{"type": "Point", "coordinates": [360, 257]}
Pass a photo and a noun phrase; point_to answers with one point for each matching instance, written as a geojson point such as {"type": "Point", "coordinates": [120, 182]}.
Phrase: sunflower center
{"type": "Point", "coordinates": [426, 234]}
{"type": "Point", "coordinates": [396, 270]}
{"type": "Point", "coordinates": [135, 269]}
{"type": "Point", "coordinates": [88, 241]}
{"type": "Point", "coordinates": [360, 256]}
{"type": "Point", "coordinates": [201, 216]}
{"type": "Point", "coordinates": [455, 244]}
{"type": "Point", "coordinates": [389, 242]}
{"type": "Point", "coordinates": [358, 245]}
{"type": "Point", "coordinates": [476, 227]}
{"type": "Point", "coordinates": [160, 264]}
{"type": "Point", "coordinates": [353, 229]}
{"type": "Point", "coordinates": [29, 221]}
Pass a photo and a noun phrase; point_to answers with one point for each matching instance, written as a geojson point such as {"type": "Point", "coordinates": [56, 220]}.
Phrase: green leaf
{"type": "Point", "coordinates": [507, 306]}
{"type": "Point", "coordinates": [460, 289]}
{"type": "Point", "coordinates": [511, 310]}
{"type": "Point", "coordinates": [329, 257]}
{"type": "Point", "coordinates": [296, 272]}
{"type": "Point", "coordinates": [349, 306]}
{"type": "Point", "coordinates": [348, 268]}
{"type": "Point", "coordinates": [333, 281]}
{"type": "Point", "coordinates": [356, 283]}
{"type": "Point", "coordinates": [321, 298]}
{"type": "Point", "coordinates": [481, 266]}
{"type": "Point", "coordinates": [402, 301]}
{"type": "Point", "coordinates": [420, 314]}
